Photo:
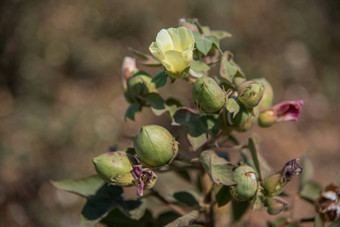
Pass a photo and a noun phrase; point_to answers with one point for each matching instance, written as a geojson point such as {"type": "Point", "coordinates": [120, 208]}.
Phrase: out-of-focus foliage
{"type": "Point", "coordinates": [61, 102]}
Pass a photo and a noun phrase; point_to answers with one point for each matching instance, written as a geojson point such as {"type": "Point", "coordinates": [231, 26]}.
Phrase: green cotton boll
{"type": "Point", "coordinates": [155, 146]}
{"type": "Point", "coordinates": [244, 119]}
{"type": "Point", "coordinates": [114, 168]}
{"type": "Point", "coordinates": [250, 93]}
{"type": "Point", "coordinates": [207, 95]}
{"type": "Point", "coordinates": [268, 95]}
{"type": "Point", "coordinates": [267, 118]}
{"type": "Point", "coordinates": [140, 84]}
{"type": "Point", "coordinates": [246, 186]}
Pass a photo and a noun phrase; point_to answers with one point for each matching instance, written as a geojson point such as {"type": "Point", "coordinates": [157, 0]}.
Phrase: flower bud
{"type": "Point", "coordinates": [139, 84]}
{"type": "Point", "coordinates": [275, 183]}
{"type": "Point", "coordinates": [244, 120]}
{"type": "Point", "coordinates": [268, 95]}
{"type": "Point", "coordinates": [250, 93]}
{"type": "Point", "coordinates": [275, 205]}
{"type": "Point", "coordinates": [207, 95]}
{"type": "Point", "coordinates": [114, 167]}
{"type": "Point", "coordinates": [246, 186]}
{"type": "Point", "coordinates": [267, 118]}
{"type": "Point", "coordinates": [155, 146]}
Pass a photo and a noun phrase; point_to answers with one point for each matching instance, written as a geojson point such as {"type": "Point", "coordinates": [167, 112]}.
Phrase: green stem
{"type": "Point", "coordinates": [178, 168]}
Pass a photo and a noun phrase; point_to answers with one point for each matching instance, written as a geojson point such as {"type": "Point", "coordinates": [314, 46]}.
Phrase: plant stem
{"type": "Point", "coordinates": [177, 168]}
{"type": "Point", "coordinates": [170, 205]}
{"type": "Point", "coordinates": [292, 221]}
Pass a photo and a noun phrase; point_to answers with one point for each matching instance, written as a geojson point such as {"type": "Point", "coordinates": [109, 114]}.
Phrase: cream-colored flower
{"type": "Point", "coordinates": [173, 48]}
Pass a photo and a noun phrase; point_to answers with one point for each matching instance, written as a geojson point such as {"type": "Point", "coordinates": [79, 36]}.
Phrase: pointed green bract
{"type": "Point", "coordinates": [268, 95]}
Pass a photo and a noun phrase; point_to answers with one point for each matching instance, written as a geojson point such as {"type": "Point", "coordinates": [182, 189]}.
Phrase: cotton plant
{"type": "Point", "coordinates": [222, 103]}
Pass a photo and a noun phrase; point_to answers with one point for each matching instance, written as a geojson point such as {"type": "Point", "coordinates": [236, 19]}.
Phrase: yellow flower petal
{"type": "Point", "coordinates": [174, 48]}
{"type": "Point", "coordinates": [174, 61]}
{"type": "Point", "coordinates": [182, 38]}
{"type": "Point", "coordinates": [156, 52]}
{"type": "Point", "coordinates": [164, 41]}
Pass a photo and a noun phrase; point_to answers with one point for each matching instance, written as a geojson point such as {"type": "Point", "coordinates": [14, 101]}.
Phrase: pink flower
{"type": "Point", "coordinates": [284, 111]}
{"type": "Point", "coordinates": [288, 110]}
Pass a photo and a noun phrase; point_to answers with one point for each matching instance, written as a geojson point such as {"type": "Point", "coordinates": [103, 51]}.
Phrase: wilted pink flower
{"type": "Point", "coordinates": [288, 110]}
{"type": "Point", "coordinates": [143, 178]}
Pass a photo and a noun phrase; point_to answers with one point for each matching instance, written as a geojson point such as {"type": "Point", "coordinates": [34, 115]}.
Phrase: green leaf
{"type": "Point", "coordinates": [198, 68]}
{"type": "Point", "coordinates": [253, 151]}
{"type": "Point", "coordinates": [157, 103]}
{"type": "Point", "coordinates": [84, 187]}
{"type": "Point", "coordinates": [99, 204]}
{"type": "Point", "coordinates": [131, 111]}
{"type": "Point", "coordinates": [116, 218]}
{"type": "Point", "coordinates": [239, 209]}
{"type": "Point", "coordinates": [307, 172]}
{"type": "Point", "coordinates": [221, 34]}
{"type": "Point", "coordinates": [171, 106]}
{"type": "Point", "coordinates": [232, 106]}
{"type": "Point", "coordinates": [318, 222]}
{"type": "Point", "coordinates": [147, 59]}
{"type": "Point", "coordinates": [160, 79]}
{"type": "Point", "coordinates": [185, 220]}
{"type": "Point", "coordinates": [215, 41]}
{"type": "Point", "coordinates": [94, 209]}
{"type": "Point", "coordinates": [229, 68]}
{"type": "Point", "coordinates": [335, 224]}
{"type": "Point", "coordinates": [222, 195]}
{"type": "Point", "coordinates": [189, 198]}
{"type": "Point", "coordinates": [217, 168]}
{"type": "Point", "coordinates": [166, 218]}
{"type": "Point", "coordinates": [133, 209]}
{"type": "Point", "coordinates": [310, 191]}
{"type": "Point", "coordinates": [197, 127]}
{"type": "Point", "coordinates": [203, 44]}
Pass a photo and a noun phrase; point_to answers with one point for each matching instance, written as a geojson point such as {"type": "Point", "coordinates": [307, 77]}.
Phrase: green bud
{"type": "Point", "coordinates": [275, 205]}
{"type": "Point", "coordinates": [207, 95]}
{"type": "Point", "coordinates": [114, 167]}
{"type": "Point", "coordinates": [155, 146]}
{"type": "Point", "coordinates": [268, 95]}
{"type": "Point", "coordinates": [272, 185]}
{"type": "Point", "coordinates": [238, 81]}
{"type": "Point", "coordinates": [250, 93]}
{"type": "Point", "coordinates": [244, 119]}
{"type": "Point", "coordinates": [246, 186]}
{"type": "Point", "coordinates": [267, 118]}
{"type": "Point", "coordinates": [139, 84]}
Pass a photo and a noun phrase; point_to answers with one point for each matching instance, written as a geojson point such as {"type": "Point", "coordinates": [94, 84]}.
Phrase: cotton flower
{"type": "Point", "coordinates": [174, 48]}
{"type": "Point", "coordinates": [285, 111]}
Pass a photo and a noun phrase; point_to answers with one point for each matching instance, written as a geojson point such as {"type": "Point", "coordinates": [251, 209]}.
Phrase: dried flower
{"type": "Point", "coordinates": [328, 205]}
{"type": "Point", "coordinates": [144, 178]}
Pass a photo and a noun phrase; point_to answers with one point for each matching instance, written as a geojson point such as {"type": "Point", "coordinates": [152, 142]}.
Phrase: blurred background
{"type": "Point", "coordinates": [61, 97]}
